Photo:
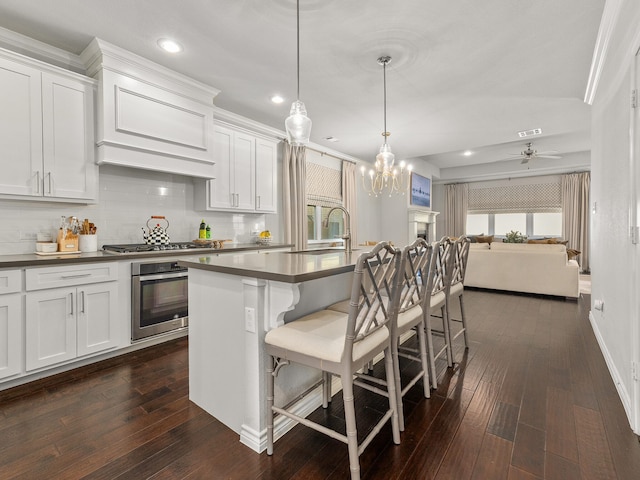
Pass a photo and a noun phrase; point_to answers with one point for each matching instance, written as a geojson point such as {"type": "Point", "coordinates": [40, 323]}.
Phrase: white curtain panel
{"type": "Point", "coordinates": [349, 196]}
{"type": "Point", "coordinates": [455, 209]}
{"type": "Point", "coordinates": [294, 201]}
{"type": "Point", "coordinates": [575, 214]}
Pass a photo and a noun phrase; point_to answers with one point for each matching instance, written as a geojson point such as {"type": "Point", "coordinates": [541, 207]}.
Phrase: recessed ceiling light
{"type": "Point", "coordinates": [277, 99]}
{"type": "Point", "coordinates": [169, 45]}
{"type": "Point", "coordinates": [468, 153]}
{"type": "Point", "coordinates": [331, 139]}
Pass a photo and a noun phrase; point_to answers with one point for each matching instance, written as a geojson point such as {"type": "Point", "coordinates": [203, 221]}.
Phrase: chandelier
{"type": "Point", "coordinates": [386, 177]}
{"type": "Point", "coordinates": [297, 124]}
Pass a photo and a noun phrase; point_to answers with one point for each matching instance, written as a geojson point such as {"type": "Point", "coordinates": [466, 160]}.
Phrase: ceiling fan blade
{"type": "Point", "coordinates": [524, 160]}
{"type": "Point", "coordinates": [548, 152]}
{"type": "Point", "coordinates": [548, 156]}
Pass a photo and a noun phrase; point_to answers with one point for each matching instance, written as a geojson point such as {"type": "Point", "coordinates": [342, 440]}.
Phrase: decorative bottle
{"type": "Point", "coordinates": [202, 233]}
{"type": "Point", "coordinates": [208, 232]}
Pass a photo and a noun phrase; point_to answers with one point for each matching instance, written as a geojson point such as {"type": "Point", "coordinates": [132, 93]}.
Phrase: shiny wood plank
{"type": "Point", "coordinates": [531, 399]}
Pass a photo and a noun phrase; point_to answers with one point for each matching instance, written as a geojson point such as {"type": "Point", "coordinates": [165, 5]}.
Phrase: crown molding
{"type": "Point", "coordinates": [99, 55]}
{"type": "Point", "coordinates": [30, 47]}
{"type": "Point", "coordinates": [608, 22]}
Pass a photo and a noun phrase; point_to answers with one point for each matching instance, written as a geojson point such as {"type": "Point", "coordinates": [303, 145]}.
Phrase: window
{"type": "Point", "coordinates": [316, 218]}
{"type": "Point", "coordinates": [478, 224]}
{"type": "Point", "coordinates": [537, 224]}
{"type": "Point", "coordinates": [532, 207]}
{"type": "Point", "coordinates": [324, 191]}
{"type": "Point", "coordinates": [505, 222]}
{"type": "Point", "coordinates": [547, 224]}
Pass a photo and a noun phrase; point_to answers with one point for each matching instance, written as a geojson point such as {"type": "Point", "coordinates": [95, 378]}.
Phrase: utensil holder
{"type": "Point", "coordinates": [88, 243]}
{"type": "Point", "coordinates": [67, 244]}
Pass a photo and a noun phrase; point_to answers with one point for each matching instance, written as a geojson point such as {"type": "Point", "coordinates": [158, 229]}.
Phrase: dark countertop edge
{"type": "Point", "coordinates": [261, 274]}
{"type": "Point", "coordinates": [33, 260]}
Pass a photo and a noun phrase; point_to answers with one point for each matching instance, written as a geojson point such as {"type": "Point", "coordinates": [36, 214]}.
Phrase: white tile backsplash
{"type": "Point", "coordinates": [128, 198]}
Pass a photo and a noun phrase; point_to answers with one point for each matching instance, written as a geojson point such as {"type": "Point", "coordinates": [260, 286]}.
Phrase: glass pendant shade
{"type": "Point", "coordinates": [298, 125]}
{"type": "Point", "coordinates": [386, 157]}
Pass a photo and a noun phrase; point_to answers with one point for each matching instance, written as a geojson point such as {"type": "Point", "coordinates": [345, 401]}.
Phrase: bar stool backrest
{"type": "Point", "coordinates": [414, 277]}
{"type": "Point", "coordinates": [443, 253]}
{"type": "Point", "coordinates": [458, 260]}
{"type": "Point", "coordinates": [372, 295]}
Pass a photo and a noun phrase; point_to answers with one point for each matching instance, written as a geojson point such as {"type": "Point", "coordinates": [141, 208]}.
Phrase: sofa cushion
{"type": "Point", "coordinates": [571, 253]}
{"type": "Point", "coordinates": [528, 247]}
{"type": "Point", "coordinates": [484, 239]}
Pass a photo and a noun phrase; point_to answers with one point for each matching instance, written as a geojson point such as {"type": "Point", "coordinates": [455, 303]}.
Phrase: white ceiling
{"type": "Point", "coordinates": [464, 74]}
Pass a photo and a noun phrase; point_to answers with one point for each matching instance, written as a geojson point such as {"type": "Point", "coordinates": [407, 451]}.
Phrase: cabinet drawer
{"type": "Point", "coordinates": [10, 281]}
{"type": "Point", "coordinates": [52, 277]}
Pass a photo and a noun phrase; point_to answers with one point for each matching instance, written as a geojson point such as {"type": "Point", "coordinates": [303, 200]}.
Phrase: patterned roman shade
{"type": "Point", "coordinates": [540, 197]}
{"type": "Point", "coordinates": [324, 185]}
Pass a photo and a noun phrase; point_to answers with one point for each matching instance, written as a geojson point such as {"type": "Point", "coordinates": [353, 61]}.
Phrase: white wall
{"type": "Point", "coordinates": [614, 258]}
{"type": "Point", "coordinates": [128, 198]}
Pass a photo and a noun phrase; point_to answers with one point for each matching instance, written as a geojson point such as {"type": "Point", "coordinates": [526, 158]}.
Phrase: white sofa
{"type": "Point", "coordinates": [522, 267]}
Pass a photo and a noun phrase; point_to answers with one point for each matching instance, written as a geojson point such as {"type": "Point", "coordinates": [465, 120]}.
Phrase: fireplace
{"type": "Point", "coordinates": [422, 224]}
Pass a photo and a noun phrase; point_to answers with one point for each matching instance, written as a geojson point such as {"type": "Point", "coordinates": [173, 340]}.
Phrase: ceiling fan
{"type": "Point", "coordinates": [530, 153]}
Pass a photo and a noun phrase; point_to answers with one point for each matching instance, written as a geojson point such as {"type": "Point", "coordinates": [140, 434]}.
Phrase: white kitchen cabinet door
{"type": "Point", "coordinates": [219, 189]}
{"type": "Point", "coordinates": [244, 171]}
{"type": "Point", "coordinates": [234, 185]}
{"type": "Point", "coordinates": [50, 327]}
{"type": "Point", "coordinates": [46, 132]}
{"type": "Point", "coordinates": [97, 317]}
{"type": "Point", "coordinates": [20, 129]}
{"type": "Point", "coordinates": [266, 176]}
{"type": "Point", "coordinates": [69, 169]}
{"type": "Point", "coordinates": [10, 335]}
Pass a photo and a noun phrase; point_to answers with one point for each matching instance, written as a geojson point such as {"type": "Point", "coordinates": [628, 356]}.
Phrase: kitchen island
{"type": "Point", "coordinates": [233, 301]}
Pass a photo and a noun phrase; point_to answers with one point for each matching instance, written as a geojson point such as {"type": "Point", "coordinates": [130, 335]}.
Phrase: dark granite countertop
{"type": "Point", "coordinates": [289, 267]}
{"type": "Point", "coordinates": [33, 260]}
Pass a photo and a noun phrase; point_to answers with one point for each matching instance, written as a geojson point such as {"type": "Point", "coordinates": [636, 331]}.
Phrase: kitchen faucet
{"type": "Point", "coordinates": [347, 235]}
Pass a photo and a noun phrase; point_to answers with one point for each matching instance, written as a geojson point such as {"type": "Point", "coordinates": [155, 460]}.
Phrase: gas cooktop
{"type": "Point", "coordinates": [143, 247]}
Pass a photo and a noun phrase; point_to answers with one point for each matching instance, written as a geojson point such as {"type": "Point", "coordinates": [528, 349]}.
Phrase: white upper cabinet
{"type": "Point", "coordinates": [46, 131]}
{"type": "Point", "coordinates": [266, 175]}
{"type": "Point", "coordinates": [245, 173]}
{"type": "Point", "coordinates": [150, 117]}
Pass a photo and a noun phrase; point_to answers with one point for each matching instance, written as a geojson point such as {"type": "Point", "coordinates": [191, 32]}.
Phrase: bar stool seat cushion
{"type": "Point", "coordinates": [322, 335]}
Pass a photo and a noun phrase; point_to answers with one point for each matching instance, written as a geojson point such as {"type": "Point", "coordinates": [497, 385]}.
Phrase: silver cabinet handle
{"type": "Point", "coordinates": [71, 302]}
{"type": "Point", "coordinates": [82, 298]}
{"type": "Point", "coordinates": [38, 182]}
{"type": "Point", "coordinates": [78, 275]}
{"type": "Point", "coordinates": [49, 175]}
{"type": "Point", "coordinates": [258, 202]}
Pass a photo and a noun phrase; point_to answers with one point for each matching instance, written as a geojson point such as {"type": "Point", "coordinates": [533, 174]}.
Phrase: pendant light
{"type": "Point", "coordinates": [297, 124]}
{"type": "Point", "coordinates": [385, 178]}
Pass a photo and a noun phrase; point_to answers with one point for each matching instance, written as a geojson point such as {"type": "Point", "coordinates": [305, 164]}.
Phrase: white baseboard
{"type": "Point", "coordinates": [613, 371]}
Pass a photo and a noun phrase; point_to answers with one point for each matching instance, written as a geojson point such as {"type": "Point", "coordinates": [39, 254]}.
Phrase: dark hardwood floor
{"type": "Point", "coordinates": [531, 399]}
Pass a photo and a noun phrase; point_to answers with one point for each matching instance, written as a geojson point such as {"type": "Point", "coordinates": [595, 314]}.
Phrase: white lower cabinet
{"type": "Point", "coordinates": [10, 323]}
{"type": "Point", "coordinates": [10, 334]}
{"type": "Point", "coordinates": [68, 322]}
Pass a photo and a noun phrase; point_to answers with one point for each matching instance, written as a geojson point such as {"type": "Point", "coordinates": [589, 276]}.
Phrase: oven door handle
{"type": "Point", "coordinates": [162, 276]}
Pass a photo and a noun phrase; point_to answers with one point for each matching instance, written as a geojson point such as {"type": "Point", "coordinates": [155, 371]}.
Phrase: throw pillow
{"type": "Point", "coordinates": [484, 238]}
{"type": "Point", "coordinates": [540, 241]}
{"type": "Point", "coordinates": [571, 253]}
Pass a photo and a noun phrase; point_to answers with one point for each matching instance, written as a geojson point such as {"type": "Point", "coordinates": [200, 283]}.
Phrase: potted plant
{"type": "Point", "coordinates": [514, 237]}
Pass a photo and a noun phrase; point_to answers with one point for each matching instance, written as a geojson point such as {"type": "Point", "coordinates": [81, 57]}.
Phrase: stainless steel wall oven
{"type": "Point", "coordinates": [159, 298]}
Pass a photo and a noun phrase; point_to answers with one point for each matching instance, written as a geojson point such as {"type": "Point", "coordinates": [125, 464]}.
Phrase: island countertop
{"type": "Point", "coordinates": [288, 267]}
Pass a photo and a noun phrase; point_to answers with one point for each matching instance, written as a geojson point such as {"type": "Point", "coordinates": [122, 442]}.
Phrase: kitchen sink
{"type": "Point", "coordinates": [320, 251]}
